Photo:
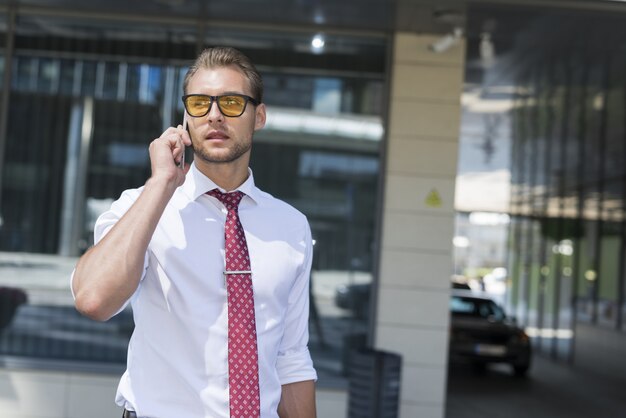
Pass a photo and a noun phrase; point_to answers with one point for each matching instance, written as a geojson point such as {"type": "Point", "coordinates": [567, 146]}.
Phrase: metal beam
{"type": "Point", "coordinates": [6, 92]}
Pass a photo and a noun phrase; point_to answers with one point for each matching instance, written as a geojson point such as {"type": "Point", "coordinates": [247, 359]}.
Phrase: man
{"type": "Point", "coordinates": [168, 249]}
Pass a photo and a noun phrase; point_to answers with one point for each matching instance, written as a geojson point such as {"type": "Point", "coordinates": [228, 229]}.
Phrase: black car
{"type": "Point", "coordinates": [481, 333]}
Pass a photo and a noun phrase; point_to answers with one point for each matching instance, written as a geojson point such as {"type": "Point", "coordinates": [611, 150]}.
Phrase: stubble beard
{"type": "Point", "coordinates": [233, 154]}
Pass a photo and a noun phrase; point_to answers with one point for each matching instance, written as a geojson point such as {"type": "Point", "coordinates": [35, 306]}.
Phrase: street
{"type": "Point", "coordinates": [551, 390]}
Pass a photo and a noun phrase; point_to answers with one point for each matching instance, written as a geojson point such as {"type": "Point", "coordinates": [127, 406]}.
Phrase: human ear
{"type": "Point", "coordinates": [260, 117]}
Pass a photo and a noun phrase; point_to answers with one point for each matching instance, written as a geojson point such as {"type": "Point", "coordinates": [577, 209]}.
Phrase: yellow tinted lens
{"type": "Point", "coordinates": [198, 105]}
{"type": "Point", "coordinates": [232, 105]}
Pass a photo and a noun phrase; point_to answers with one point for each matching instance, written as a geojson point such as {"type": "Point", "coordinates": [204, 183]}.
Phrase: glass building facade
{"type": "Point", "coordinates": [567, 237]}
{"type": "Point", "coordinates": [85, 96]}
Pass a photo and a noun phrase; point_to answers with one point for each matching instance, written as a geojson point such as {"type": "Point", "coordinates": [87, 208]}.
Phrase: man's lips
{"type": "Point", "coordinates": [216, 135]}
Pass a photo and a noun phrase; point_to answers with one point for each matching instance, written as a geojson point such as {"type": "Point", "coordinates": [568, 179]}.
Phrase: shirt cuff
{"type": "Point", "coordinates": [295, 366]}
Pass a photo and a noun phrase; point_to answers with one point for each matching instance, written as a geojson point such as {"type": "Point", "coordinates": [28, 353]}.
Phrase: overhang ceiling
{"type": "Point", "coordinates": [375, 16]}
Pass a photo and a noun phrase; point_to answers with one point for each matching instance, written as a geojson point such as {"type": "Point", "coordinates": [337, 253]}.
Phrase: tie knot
{"type": "Point", "coordinates": [230, 200]}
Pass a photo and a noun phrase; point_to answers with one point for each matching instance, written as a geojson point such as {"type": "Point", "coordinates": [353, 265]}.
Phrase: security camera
{"type": "Point", "coordinates": [447, 41]}
{"type": "Point", "coordinates": [443, 44]}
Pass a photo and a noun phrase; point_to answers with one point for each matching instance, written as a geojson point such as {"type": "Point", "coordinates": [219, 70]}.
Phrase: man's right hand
{"type": "Point", "coordinates": [166, 153]}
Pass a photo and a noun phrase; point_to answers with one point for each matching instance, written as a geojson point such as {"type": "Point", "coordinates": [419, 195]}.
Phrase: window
{"type": "Point", "coordinates": [101, 91]}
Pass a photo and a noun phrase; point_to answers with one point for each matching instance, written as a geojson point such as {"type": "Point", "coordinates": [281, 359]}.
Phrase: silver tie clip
{"type": "Point", "coordinates": [226, 272]}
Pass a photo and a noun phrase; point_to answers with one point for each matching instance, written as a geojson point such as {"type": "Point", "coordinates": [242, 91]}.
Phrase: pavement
{"type": "Point", "coordinates": [551, 390]}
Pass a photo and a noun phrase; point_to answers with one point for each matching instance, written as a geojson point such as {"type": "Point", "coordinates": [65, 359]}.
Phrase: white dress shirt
{"type": "Point", "coordinates": [177, 356]}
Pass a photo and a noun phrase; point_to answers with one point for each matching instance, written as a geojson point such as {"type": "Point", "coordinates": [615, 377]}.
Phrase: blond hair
{"type": "Point", "coordinates": [221, 56]}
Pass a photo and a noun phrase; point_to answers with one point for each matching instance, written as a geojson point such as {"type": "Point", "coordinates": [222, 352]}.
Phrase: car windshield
{"type": "Point", "coordinates": [474, 307]}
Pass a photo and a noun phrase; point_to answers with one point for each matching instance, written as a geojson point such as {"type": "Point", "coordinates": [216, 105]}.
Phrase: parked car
{"type": "Point", "coordinates": [481, 333]}
{"type": "Point", "coordinates": [461, 285]}
{"type": "Point", "coordinates": [356, 297]}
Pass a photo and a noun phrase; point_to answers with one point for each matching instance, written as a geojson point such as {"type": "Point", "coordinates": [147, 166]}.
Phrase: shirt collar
{"type": "Point", "coordinates": [196, 184]}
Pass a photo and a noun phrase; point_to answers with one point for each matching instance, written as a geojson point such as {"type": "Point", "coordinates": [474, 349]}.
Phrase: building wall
{"type": "Point", "coordinates": [318, 152]}
{"type": "Point", "coordinates": [418, 218]}
{"type": "Point", "coordinates": [416, 254]}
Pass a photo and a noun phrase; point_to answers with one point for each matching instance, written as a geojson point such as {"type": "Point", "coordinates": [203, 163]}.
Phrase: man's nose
{"type": "Point", "coordinates": [214, 113]}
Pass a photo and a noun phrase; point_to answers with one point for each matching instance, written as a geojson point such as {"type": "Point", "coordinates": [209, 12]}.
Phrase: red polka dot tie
{"type": "Point", "coordinates": [243, 365]}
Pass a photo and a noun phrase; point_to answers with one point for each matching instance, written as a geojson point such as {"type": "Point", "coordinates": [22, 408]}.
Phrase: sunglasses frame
{"type": "Point", "coordinates": [216, 99]}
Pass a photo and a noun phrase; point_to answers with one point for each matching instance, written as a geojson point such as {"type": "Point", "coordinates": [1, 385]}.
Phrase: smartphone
{"type": "Point", "coordinates": [182, 158]}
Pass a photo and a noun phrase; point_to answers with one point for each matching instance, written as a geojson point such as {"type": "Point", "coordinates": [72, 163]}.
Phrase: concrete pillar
{"type": "Point", "coordinates": [75, 179]}
{"type": "Point", "coordinates": [418, 218]}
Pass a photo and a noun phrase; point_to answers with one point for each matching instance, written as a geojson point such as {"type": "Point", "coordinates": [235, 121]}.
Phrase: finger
{"type": "Point", "coordinates": [169, 131]}
{"type": "Point", "coordinates": [184, 135]}
{"type": "Point", "coordinates": [177, 147]}
{"type": "Point", "coordinates": [186, 138]}
{"type": "Point", "coordinates": [173, 138]}
{"type": "Point", "coordinates": [173, 142]}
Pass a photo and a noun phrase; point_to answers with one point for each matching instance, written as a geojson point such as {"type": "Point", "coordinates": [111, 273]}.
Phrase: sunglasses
{"type": "Point", "coordinates": [231, 105]}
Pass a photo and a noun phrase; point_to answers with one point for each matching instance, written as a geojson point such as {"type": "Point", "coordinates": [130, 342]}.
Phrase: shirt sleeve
{"type": "Point", "coordinates": [294, 362]}
{"type": "Point", "coordinates": [108, 219]}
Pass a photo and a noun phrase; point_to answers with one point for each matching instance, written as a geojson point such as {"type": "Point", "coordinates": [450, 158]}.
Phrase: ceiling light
{"type": "Point", "coordinates": [317, 44]}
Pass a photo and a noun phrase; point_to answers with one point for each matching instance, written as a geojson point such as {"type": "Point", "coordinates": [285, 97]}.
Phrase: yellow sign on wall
{"type": "Point", "coordinates": [433, 200]}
